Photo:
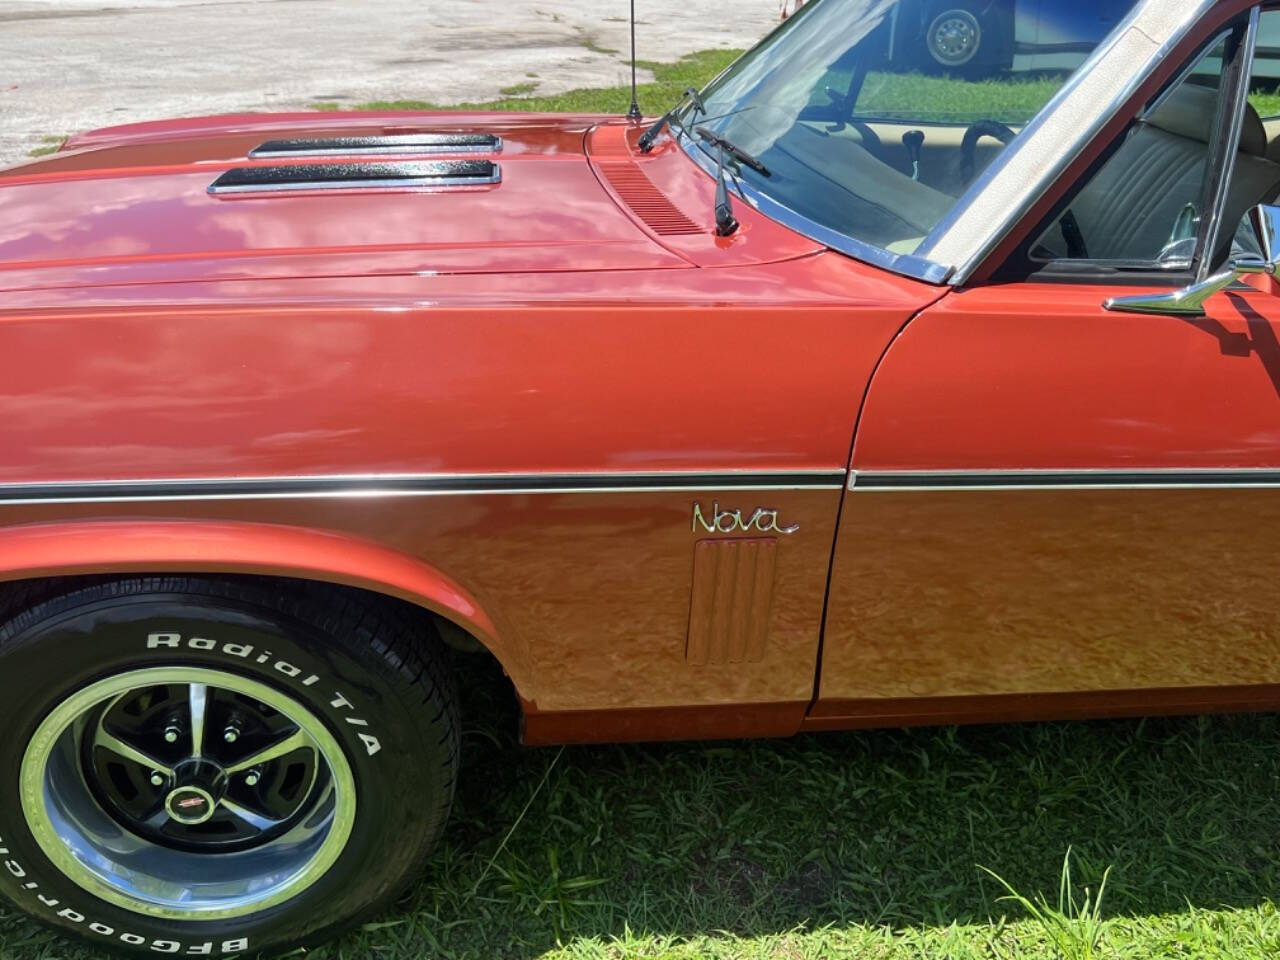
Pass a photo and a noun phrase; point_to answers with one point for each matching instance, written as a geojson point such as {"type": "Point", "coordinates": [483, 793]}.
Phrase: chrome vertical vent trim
{"type": "Point", "coordinates": [357, 176]}
{"type": "Point", "coordinates": [391, 144]}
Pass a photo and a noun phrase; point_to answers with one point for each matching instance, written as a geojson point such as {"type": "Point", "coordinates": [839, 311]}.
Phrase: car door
{"type": "Point", "coordinates": [1051, 497]}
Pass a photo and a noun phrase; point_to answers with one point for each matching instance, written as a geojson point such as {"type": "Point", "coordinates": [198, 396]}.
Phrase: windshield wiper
{"type": "Point", "coordinates": [735, 151]}
{"type": "Point", "coordinates": [645, 143]}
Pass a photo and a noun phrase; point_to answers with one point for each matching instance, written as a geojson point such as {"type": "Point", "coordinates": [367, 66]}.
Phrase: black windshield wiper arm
{"type": "Point", "coordinates": [645, 143]}
{"type": "Point", "coordinates": [735, 151]}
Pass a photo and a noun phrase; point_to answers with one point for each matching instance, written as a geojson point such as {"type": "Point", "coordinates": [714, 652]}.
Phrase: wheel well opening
{"type": "Point", "coordinates": [482, 681]}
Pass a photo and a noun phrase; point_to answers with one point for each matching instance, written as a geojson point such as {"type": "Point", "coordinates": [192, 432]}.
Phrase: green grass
{"type": "Point", "coordinates": [588, 41]}
{"type": "Point", "coordinates": [944, 844]}
{"type": "Point", "coordinates": [669, 80]}
{"type": "Point", "coordinates": [885, 94]}
{"type": "Point", "coordinates": [913, 96]}
{"type": "Point", "coordinates": [1267, 103]}
{"type": "Point", "coordinates": [843, 846]}
{"type": "Point", "coordinates": [519, 89]}
{"type": "Point", "coordinates": [48, 145]}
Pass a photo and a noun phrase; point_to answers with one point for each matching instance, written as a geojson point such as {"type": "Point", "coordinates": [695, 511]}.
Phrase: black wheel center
{"type": "Point", "coordinates": [190, 805]}
{"type": "Point", "coordinates": [197, 786]}
{"type": "Point", "coordinates": [196, 768]}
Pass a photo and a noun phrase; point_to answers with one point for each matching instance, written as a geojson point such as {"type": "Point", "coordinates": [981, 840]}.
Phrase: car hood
{"type": "Point", "coordinates": [133, 205]}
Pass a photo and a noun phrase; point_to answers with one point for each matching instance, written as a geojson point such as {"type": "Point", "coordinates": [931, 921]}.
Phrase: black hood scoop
{"type": "Point", "coordinates": [391, 145]}
{"type": "Point", "coordinates": [358, 176]}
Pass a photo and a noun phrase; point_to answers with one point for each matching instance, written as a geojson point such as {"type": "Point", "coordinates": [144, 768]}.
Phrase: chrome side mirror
{"type": "Point", "coordinates": [1189, 301]}
{"type": "Point", "coordinates": [1265, 221]}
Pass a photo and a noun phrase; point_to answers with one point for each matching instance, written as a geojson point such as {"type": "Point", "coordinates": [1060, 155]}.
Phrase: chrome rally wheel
{"type": "Point", "coordinates": [219, 767]}
{"type": "Point", "coordinates": [181, 792]}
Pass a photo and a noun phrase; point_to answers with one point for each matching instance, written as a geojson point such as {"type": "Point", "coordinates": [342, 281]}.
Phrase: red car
{"type": "Point", "coordinates": [825, 401]}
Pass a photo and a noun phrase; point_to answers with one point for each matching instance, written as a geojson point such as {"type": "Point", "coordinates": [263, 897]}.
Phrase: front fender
{"type": "Point", "coordinates": [187, 546]}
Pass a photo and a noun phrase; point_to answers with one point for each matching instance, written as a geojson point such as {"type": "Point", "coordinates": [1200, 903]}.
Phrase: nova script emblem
{"type": "Point", "coordinates": [763, 520]}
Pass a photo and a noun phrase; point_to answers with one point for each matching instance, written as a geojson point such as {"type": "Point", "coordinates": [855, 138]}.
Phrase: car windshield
{"type": "Point", "coordinates": [873, 117]}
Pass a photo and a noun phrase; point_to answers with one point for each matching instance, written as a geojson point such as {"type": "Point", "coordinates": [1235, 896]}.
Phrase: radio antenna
{"type": "Point", "coordinates": [633, 114]}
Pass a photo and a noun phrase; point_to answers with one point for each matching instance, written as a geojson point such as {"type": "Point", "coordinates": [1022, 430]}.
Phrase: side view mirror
{"type": "Point", "coordinates": [1265, 221]}
{"type": "Point", "coordinates": [1189, 301]}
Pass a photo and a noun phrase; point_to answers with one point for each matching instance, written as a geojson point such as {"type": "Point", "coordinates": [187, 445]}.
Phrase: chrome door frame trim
{"type": "Point", "coordinates": [1240, 74]}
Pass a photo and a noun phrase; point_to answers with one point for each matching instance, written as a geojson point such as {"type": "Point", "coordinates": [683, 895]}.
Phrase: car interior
{"type": "Point", "coordinates": [1143, 203]}
{"type": "Point", "coordinates": [897, 179]}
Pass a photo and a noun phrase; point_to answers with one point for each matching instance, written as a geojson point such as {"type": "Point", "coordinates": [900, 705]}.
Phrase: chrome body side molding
{"type": "Point", "coordinates": [412, 485]}
{"type": "Point", "coordinates": [916, 481]}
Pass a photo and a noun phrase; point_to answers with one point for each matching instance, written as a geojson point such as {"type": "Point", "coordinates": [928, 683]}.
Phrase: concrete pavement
{"type": "Point", "coordinates": [71, 65]}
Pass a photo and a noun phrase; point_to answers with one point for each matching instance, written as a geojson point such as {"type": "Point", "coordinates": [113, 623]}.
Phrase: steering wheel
{"type": "Point", "coordinates": [844, 113]}
{"type": "Point", "coordinates": [969, 145]}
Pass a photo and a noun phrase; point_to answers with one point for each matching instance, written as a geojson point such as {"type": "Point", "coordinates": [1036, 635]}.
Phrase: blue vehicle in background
{"type": "Point", "coordinates": [978, 38]}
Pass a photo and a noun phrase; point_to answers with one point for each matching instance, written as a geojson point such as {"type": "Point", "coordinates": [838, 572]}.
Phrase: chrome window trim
{"type": "Point", "coordinates": [1173, 268]}
{"type": "Point", "coordinates": [1242, 73]}
{"type": "Point", "coordinates": [969, 234]}
{"type": "Point", "coordinates": [904, 264]}
{"type": "Point", "coordinates": [1018, 178]}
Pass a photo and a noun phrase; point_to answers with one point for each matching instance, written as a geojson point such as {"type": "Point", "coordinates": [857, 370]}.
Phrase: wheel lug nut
{"type": "Point", "coordinates": [171, 734]}
{"type": "Point", "coordinates": [157, 778]}
{"type": "Point", "coordinates": [230, 735]}
{"type": "Point", "coordinates": [252, 777]}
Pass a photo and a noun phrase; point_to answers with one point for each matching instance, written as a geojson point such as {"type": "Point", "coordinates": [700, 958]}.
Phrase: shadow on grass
{"type": "Point", "coordinates": [881, 828]}
{"type": "Point", "coordinates": [656, 844]}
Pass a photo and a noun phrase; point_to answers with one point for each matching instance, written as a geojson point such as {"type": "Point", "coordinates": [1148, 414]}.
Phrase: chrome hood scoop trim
{"type": "Point", "coordinates": [399, 175]}
{"type": "Point", "coordinates": [389, 145]}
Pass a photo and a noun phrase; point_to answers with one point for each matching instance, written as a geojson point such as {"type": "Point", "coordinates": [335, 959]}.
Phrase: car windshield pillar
{"type": "Point", "coordinates": [874, 117]}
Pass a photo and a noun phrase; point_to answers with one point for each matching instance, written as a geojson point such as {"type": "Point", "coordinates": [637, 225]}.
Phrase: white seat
{"type": "Point", "coordinates": [1129, 211]}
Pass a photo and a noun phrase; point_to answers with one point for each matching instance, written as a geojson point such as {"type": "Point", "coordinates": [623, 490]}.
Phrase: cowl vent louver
{"type": "Point", "coordinates": [397, 144]}
{"type": "Point", "coordinates": [636, 190]}
{"type": "Point", "coordinates": [358, 176]}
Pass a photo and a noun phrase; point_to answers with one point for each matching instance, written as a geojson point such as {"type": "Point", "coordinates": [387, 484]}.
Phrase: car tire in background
{"type": "Point", "coordinates": [965, 37]}
{"type": "Point", "coordinates": [205, 767]}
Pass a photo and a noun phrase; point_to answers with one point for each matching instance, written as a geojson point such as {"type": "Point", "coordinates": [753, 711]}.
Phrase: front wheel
{"type": "Point", "coordinates": [204, 768]}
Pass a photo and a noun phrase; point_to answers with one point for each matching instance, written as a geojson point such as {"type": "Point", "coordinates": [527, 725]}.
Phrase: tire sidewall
{"type": "Point", "coordinates": [355, 697]}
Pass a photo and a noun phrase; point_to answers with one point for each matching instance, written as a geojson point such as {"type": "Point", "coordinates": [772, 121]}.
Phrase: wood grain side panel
{"type": "Point", "coordinates": [592, 588]}
{"type": "Point", "coordinates": [731, 600]}
{"type": "Point", "coordinates": [953, 594]}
